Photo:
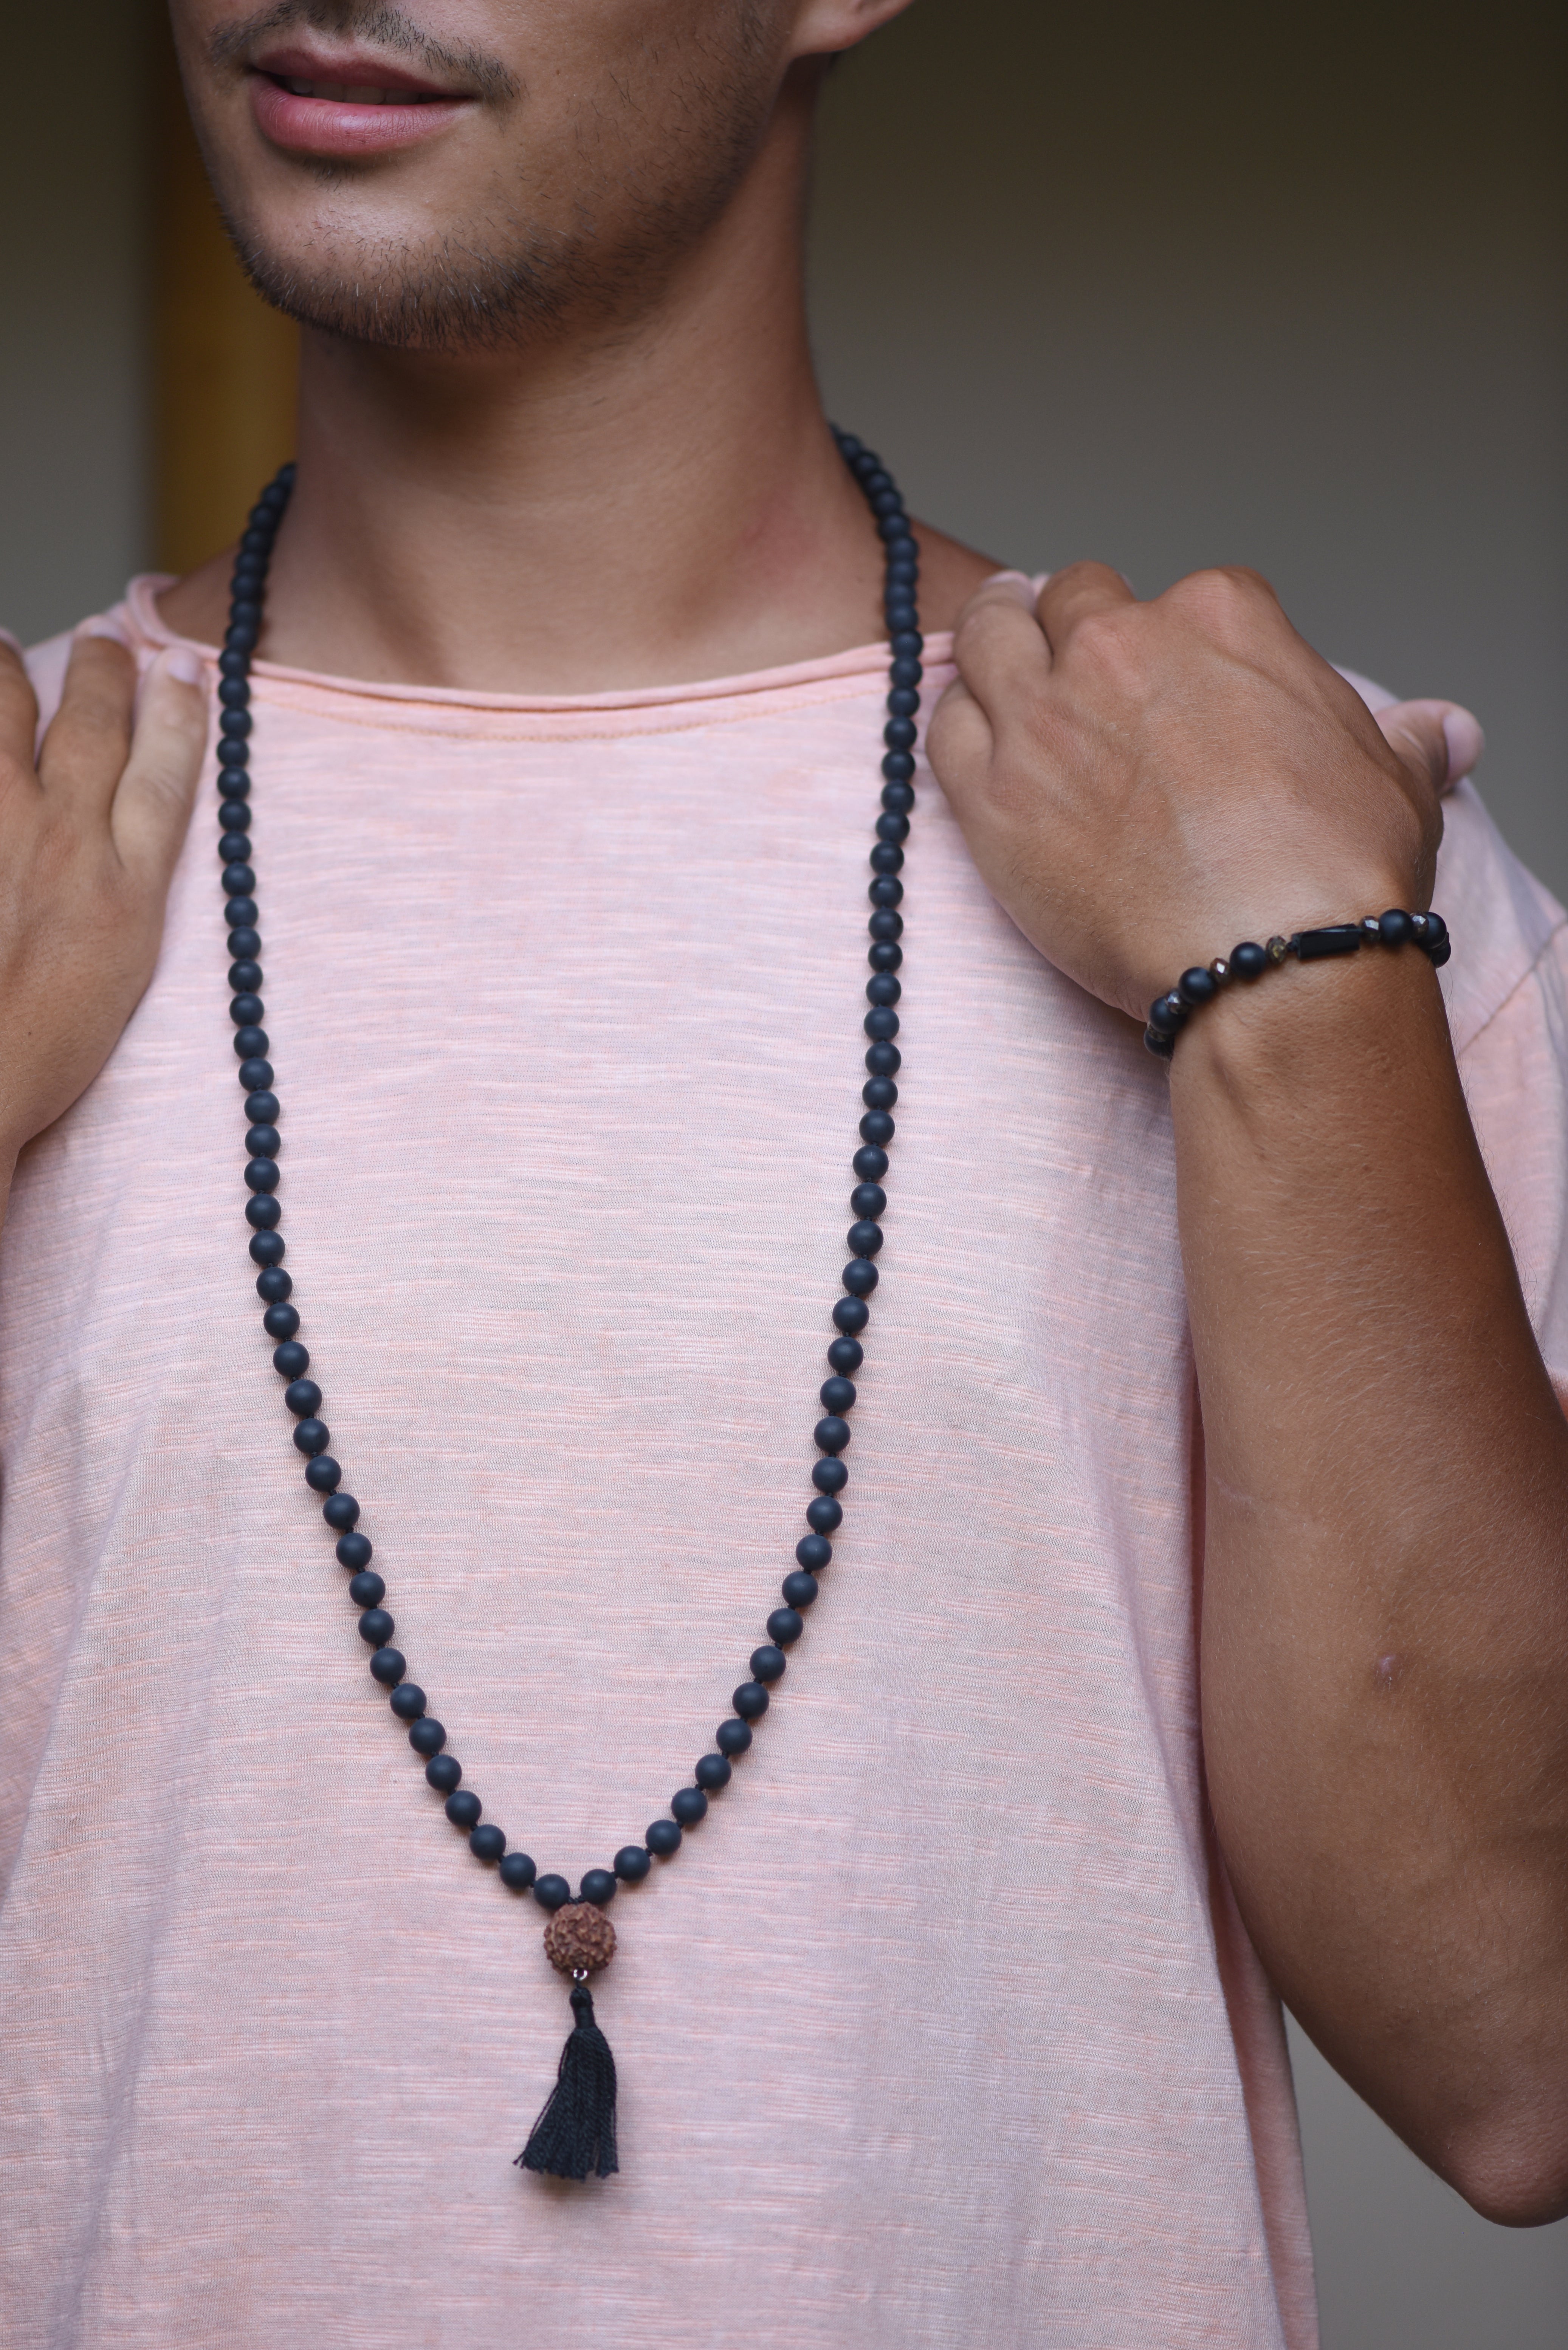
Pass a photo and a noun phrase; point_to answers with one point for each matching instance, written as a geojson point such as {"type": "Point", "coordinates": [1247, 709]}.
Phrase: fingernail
{"type": "Point", "coordinates": [100, 626]}
{"type": "Point", "coordinates": [1017, 583]}
{"type": "Point", "coordinates": [184, 663]}
{"type": "Point", "coordinates": [1465, 741]}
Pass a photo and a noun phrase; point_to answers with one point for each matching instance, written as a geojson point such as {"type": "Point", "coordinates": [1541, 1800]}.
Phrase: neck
{"type": "Point", "coordinates": [646, 502]}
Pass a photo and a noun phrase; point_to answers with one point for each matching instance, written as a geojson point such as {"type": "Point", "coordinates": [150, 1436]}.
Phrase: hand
{"type": "Point", "coordinates": [89, 834]}
{"type": "Point", "coordinates": [1144, 785]}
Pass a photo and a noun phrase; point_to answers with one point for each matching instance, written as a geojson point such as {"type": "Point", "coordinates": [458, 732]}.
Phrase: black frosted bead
{"type": "Point", "coordinates": [245, 942]}
{"type": "Point", "coordinates": [444, 1771]}
{"type": "Point", "coordinates": [836, 1396]}
{"type": "Point", "coordinates": [785, 1626]}
{"type": "Point", "coordinates": [303, 1397]}
{"type": "Point", "coordinates": [865, 1237]}
{"type": "Point", "coordinates": [882, 988]}
{"type": "Point", "coordinates": [464, 1809]}
{"type": "Point", "coordinates": [815, 1553]}
{"type": "Point", "coordinates": [884, 1060]}
{"type": "Point", "coordinates": [341, 1511]}
{"type": "Point", "coordinates": [355, 1551]}
{"type": "Point", "coordinates": [831, 1435]}
{"type": "Point", "coordinates": [869, 1201]}
{"type": "Point", "coordinates": [243, 976]}
{"type": "Point", "coordinates": [1198, 986]}
{"type": "Point", "coordinates": [291, 1360]}
{"type": "Point", "coordinates": [800, 1588]}
{"type": "Point", "coordinates": [263, 1211]}
{"type": "Point", "coordinates": [256, 1076]}
{"type": "Point", "coordinates": [823, 1515]}
{"type": "Point", "coordinates": [263, 1141]}
{"type": "Point", "coordinates": [375, 1627]}
{"type": "Point", "coordinates": [879, 1093]}
{"type": "Point", "coordinates": [713, 1772]}
{"type": "Point", "coordinates": [632, 1863]}
{"type": "Point", "coordinates": [324, 1475]}
{"type": "Point", "coordinates": [428, 1737]}
{"type": "Point", "coordinates": [904, 671]}
{"type": "Point", "coordinates": [518, 1872]}
{"type": "Point", "coordinates": [233, 848]}
{"type": "Point", "coordinates": [1167, 1014]}
{"type": "Point", "coordinates": [1394, 927]}
{"type": "Point", "coordinates": [859, 1276]}
{"type": "Point", "coordinates": [663, 1837]}
{"type": "Point", "coordinates": [884, 955]}
{"type": "Point", "coordinates": [486, 1843]}
{"type": "Point", "coordinates": [732, 1737]}
{"type": "Point", "coordinates": [312, 1436]}
{"type": "Point", "coordinates": [767, 1664]}
{"type": "Point", "coordinates": [898, 735]}
{"type": "Point", "coordinates": [902, 703]}
{"type": "Point", "coordinates": [887, 858]}
{"type": "Point", "coordinates": [846, 1354]}
{"type": "Point", "coordinates": [389, 1665]}
{"type": "Point", "coordinates": [263, 1108]}
{"type": "Point", "coordinates": [407, 1702]}
{"type": "Point", "coordinates": [850, 1314]}
{"type": "Point", "coordinates": [273, 1286]}
{"type": "Point", "coordinates": [266, 1248]}
{"type": "Point", "coordinates": [688, 1807]}
{"type": "Point", "coordinates": [897, 767]}
{"type": "Point", "coordinates": [552, 1892]}
{"type": "Point", "coordinates": [750, 1700]}
{"type": "Point", "coordinates": [599, 1886]}
{"type": "Point", "coordinates": [239, 881]}
{"type": "Point", "coordinates": [898, 799]}
{"type": "Point", "coordinates": [251, 1042]}
{"type": "Point", "coordinates": [280, 1321]}
{"type": "Point", "coordinates": [829, 1476]}
{"type": "Point", "coordinates": [367, 1590]}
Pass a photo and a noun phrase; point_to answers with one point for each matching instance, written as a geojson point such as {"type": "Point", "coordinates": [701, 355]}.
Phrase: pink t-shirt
{"type": "Point", "coordinates": [941, 2030]}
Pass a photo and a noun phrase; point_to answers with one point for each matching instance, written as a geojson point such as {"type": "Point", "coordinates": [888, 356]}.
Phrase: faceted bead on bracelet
{"type": "Point", "coordinates": [579, 1938]}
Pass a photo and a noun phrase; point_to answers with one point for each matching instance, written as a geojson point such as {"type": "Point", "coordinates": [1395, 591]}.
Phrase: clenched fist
{"type": "Point", "coordinates": [1143, 785]}
{"type": "Point", "coordinates": [89, 833]}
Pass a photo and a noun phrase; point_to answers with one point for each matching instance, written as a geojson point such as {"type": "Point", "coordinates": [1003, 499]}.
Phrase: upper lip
{"type": "Point", "coordinates": [348, 69]}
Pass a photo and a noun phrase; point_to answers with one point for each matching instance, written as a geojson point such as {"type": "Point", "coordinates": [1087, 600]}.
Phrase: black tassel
{"type": "Point", "coordinates": [573, 2137]}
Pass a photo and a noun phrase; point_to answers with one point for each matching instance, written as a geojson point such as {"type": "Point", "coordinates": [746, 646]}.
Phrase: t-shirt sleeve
{"type": "Point", "coordinates": [1507, 989]}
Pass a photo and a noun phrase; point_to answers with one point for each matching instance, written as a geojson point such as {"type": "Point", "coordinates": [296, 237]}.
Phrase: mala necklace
{"type": "Point", "coordinates": [574, 2135]}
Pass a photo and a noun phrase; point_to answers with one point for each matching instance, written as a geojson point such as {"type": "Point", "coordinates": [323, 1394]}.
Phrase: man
{"type": "Point", "coordinates": [953, 2022]}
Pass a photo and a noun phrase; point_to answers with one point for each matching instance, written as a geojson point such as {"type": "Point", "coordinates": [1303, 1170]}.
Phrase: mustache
{"type": "Point", "coordinates": [383, 27]}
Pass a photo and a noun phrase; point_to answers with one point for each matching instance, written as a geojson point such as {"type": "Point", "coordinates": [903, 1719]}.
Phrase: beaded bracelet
{"type": "Point", "coordinates": [1169, 1015]}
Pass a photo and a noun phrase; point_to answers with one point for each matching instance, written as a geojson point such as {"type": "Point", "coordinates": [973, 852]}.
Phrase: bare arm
{"type": "Point", "coordinates": [1385, 1635]}
{"type": "Point", "coordinates": [89, 834]}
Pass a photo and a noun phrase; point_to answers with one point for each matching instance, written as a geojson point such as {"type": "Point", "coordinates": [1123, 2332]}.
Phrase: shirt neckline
{"type": "Point", "coordinates": [861, 660]}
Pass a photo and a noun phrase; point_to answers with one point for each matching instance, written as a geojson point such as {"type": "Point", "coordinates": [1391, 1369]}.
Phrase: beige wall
{"type": "Point", "coordinates": [1166, 285]}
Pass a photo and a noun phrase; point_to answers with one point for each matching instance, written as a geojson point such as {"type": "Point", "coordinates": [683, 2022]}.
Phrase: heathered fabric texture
{"type": "Point", "coordinates": [941, 2030]}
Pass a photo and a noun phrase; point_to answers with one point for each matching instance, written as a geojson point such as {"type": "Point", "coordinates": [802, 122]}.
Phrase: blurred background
{"type": "Point", "coordinates": [1166, 286]}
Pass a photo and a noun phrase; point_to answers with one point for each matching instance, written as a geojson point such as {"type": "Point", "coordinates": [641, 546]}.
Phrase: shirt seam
{"type": "Point", "coordinates": [1522, 982]}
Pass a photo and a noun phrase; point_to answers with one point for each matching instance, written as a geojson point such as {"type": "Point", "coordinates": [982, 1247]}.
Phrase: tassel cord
{"type": "Point", "coordinates": [574, 2136]}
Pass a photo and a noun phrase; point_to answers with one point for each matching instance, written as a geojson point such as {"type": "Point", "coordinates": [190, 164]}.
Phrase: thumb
{"type": "Point", "coordinates": [1440, 740]}
{"type": "Point", "coordinates": [152, 804]}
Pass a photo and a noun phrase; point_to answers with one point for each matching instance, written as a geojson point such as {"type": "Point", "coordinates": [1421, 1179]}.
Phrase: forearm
{"type": "Point", "coordinates": [1385, 1637]}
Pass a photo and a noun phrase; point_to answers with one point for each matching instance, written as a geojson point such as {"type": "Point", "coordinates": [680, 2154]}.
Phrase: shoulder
{"type": "Point", "coordinates": [134, 620]}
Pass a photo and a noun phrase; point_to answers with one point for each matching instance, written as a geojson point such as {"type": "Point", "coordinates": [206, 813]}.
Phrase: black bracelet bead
{"type": "Point", "coordinates": [831, 1435]}
{"type": "Point", "coordinates": [800, 1588]}
{"type": "Point", "coordinates": [408, 1701]}
{"type": "Point", "coordinates": [631, 1864]}
{"type": "Point", "coordinates": [885, 1060]}
{"type": "Point", "coordinates": [312, 1436]}
{"type": "Point", "coordinates": [464, 1809]}
{"type": "Point", "coordinates": [823, 1515]}
{"type": "Point", "coordinates": [552, 1892]}
{"type": "Point", "coordinates": [263, 1108]}
{"type": "Point", "coordinates": [518, 1872]}
{"type": "Point", "coordinates": [768, 1664]}
{"type": "Point", "coordinates": [266, 1248]}
{"type": "Point", "coordinates": [245, 941]}
{"type": "Point", "coordinates": [732, 1737]}
{"type": "Point", "coordinates": [865, 1238]}
{"type": "Point", "coordinates": [487, 1843]}
{"type": "Point", "coordinates": [836, 1396]}
{"type": "Point", "coordinates": [713, 1772]}
{"type": "Point", "coordinates": [663, 1838]}
{"type": "Point", "coordinates": [389, 1665]}
{"type": "Point", "coordinates": [341, 1510]}
{"type": "Point", "coordinates": [885, 954]}
{"type": "Point", "coordinates": [368, 1590]}
{"type": "Point", "coordinates": [1394, 928]}
{"type": "Point", "coordinates": [428, 1737]}
{"type": "Point", "coordinates": [750, 1700]}
{"type": "Point", "coordinates": [813, 1553]}
{"type": "Point", "coordinates": [290, 1360]}
{"type": "Point", "coordinates": [444, 1772]}
{"type": "Point", "coordinates": [786, 1626]}
{"type": "Point", "coordinates": [845, 1354]}
{"type": "Point", "coordinates": [263, 1211]}
{"type": "Point", "coordinates": [829, 1476]}
{"type": "Point", "coordinates": [859, 1276]}
{"type": "Point", "coordinates": [375, 1627]}
{"type": "Point", "coordinates": [280, 1321]}
{"type": "Point", "coordinates": [303, 1397]}
{"type": "Point", "coordinates": [323, 1476]}
{"type": "Point", "coordinates": [869, 1201]}
{"type": "Point", "coordinates": [689, 1806]}
{"type": "Point", "coordinates": [261, 1174]}
{"type": "Point", "coordinates": [263, 1141]}
{"type": "Point", "coordinates": [355, 1551]}
{"type": "Point", "coordinates": [851, 1314]}
{"type": "Point", "coordinates": [599, 1886]}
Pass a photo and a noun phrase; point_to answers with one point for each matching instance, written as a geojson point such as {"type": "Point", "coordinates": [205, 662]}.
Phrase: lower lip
{"type": "Point", "coordinates": [320, 126]}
